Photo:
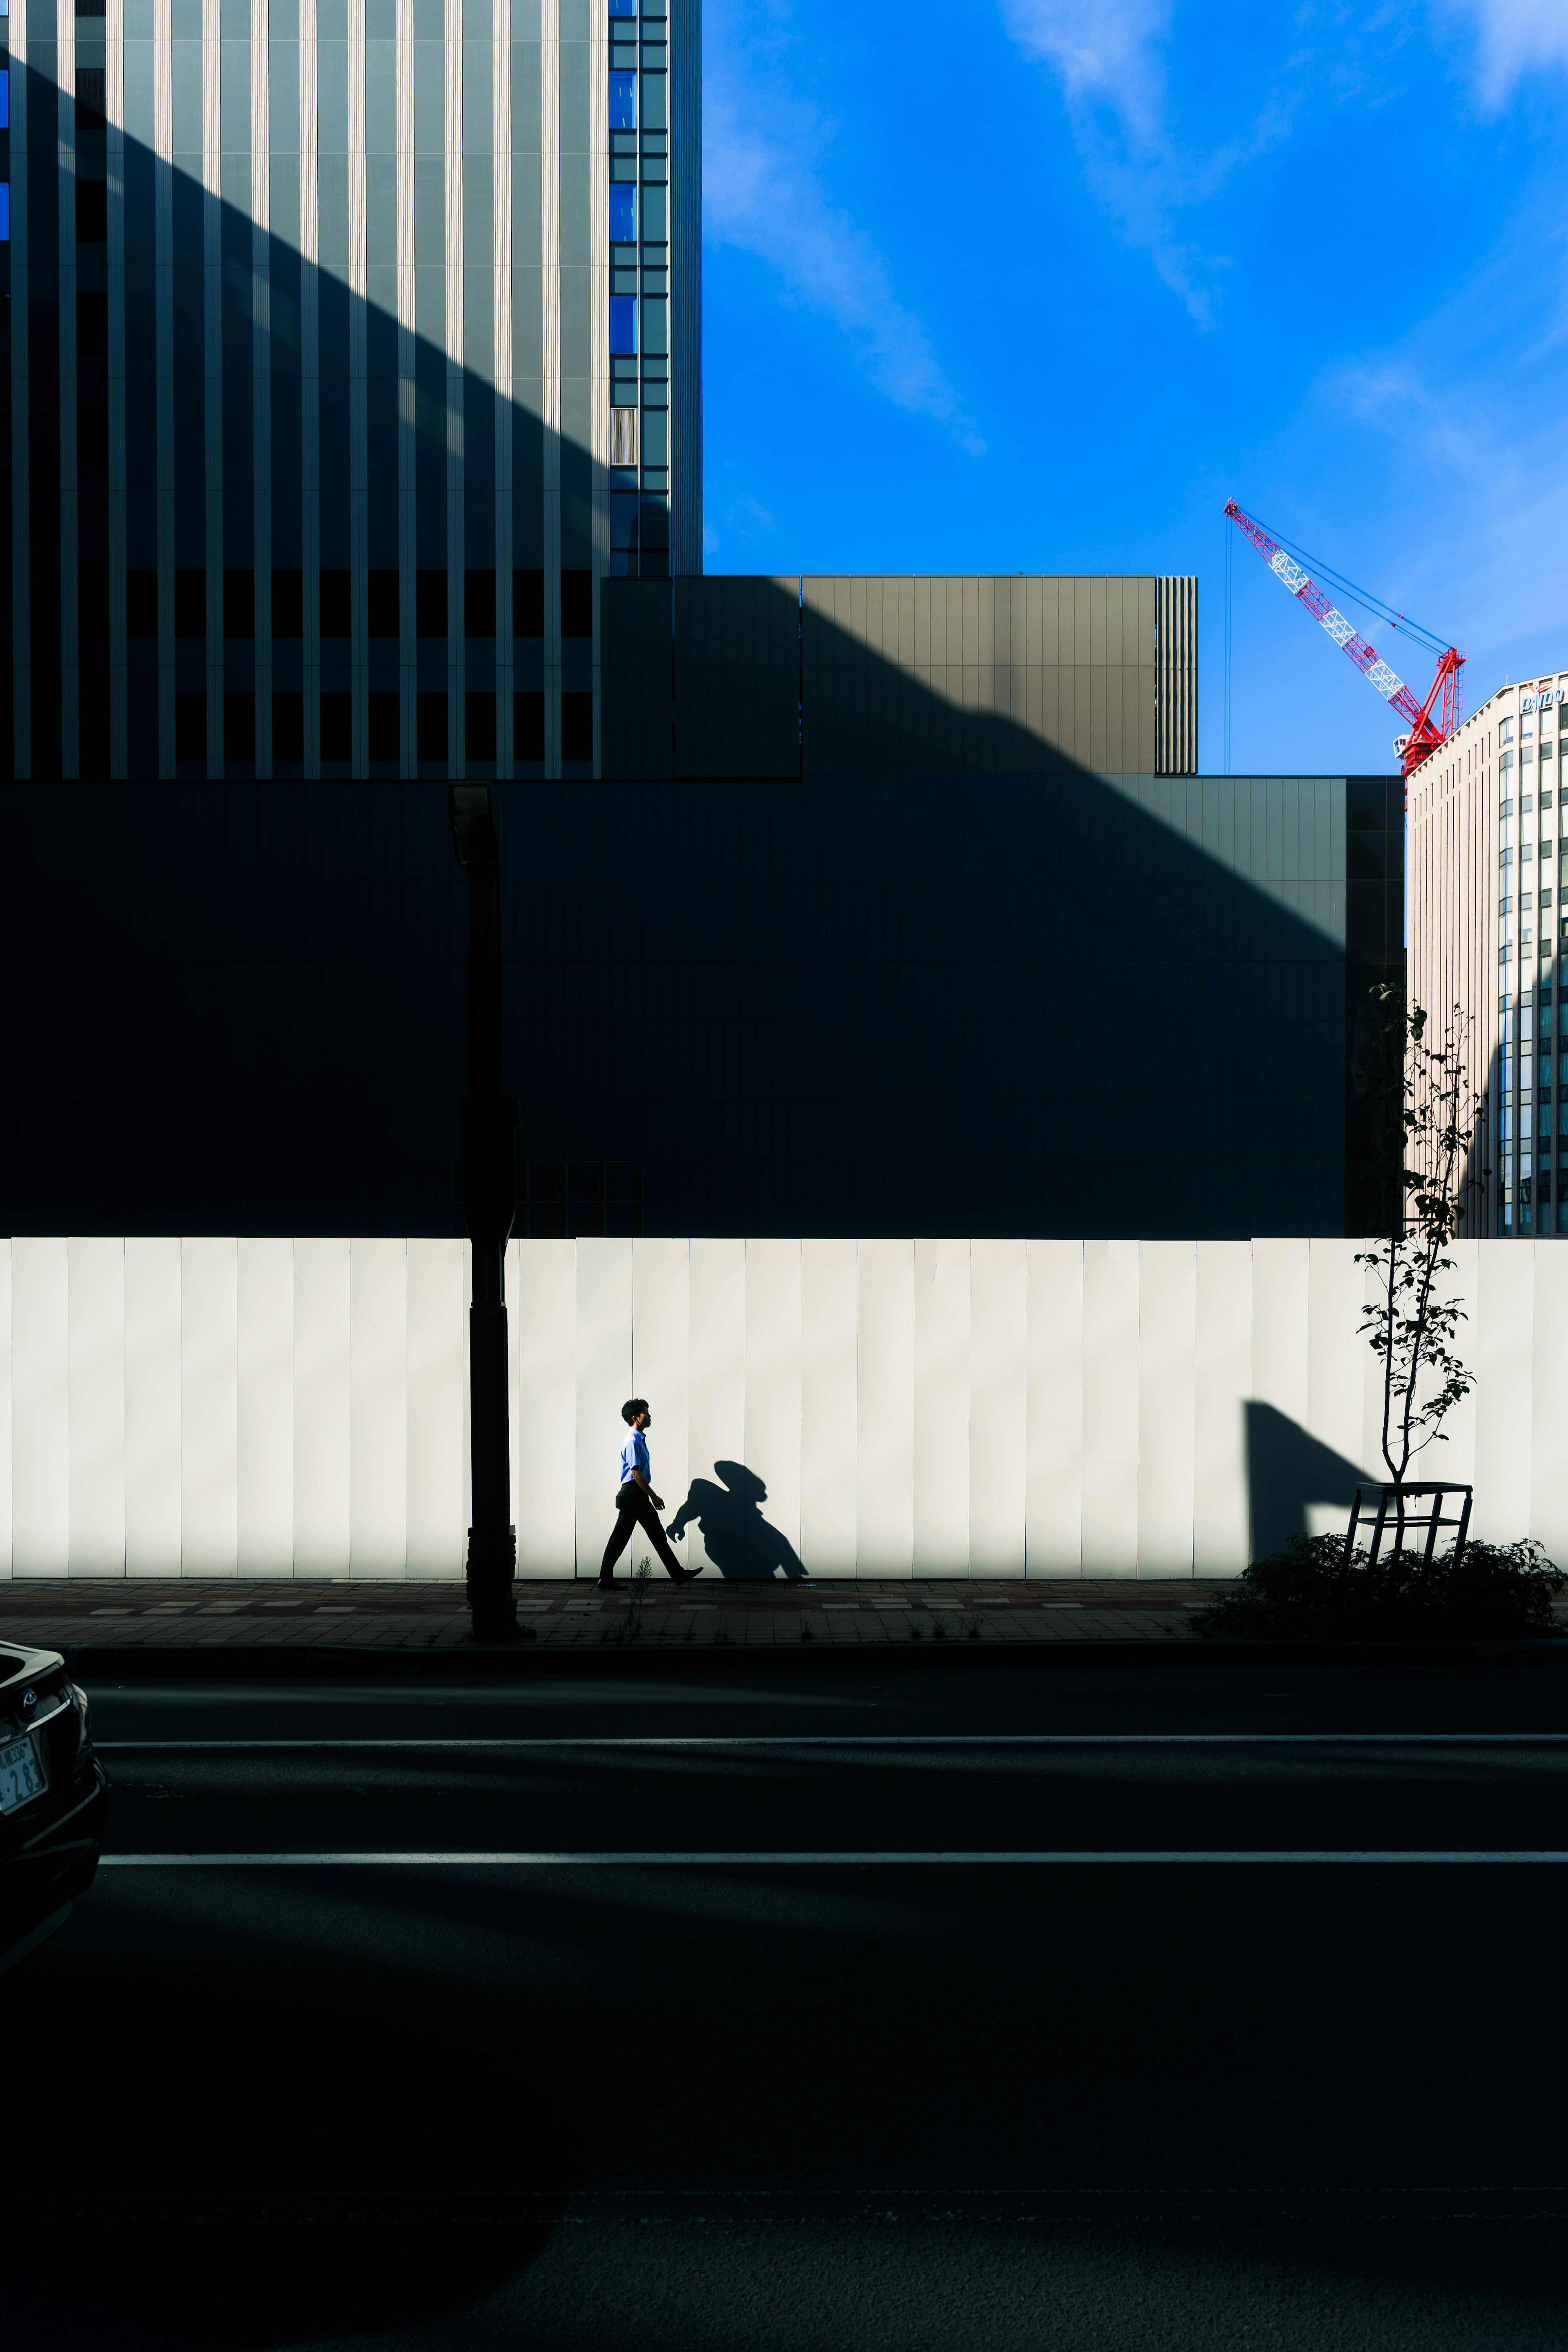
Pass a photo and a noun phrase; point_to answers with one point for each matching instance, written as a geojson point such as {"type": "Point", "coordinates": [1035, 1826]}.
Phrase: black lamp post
{"type": "Point", "coordinates": [489, 1199]}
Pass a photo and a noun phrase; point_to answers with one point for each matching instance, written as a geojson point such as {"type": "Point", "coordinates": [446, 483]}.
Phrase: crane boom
{"type": "Point", "coordinates": [1425, 735]}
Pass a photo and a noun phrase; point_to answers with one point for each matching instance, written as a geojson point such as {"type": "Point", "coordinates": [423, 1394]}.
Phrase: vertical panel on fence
{"type": "Point", "coordinates": [1275, 1464]}
{"type": "Point", "coordinates": [829, 1286]}
{"type": "Point", "coordinates": [604, 1383]}
{"type": "Point", "coordinates": [997, 1406]}
{"type": "Point", "coordinates": [1503, 1356]}
{"type": "Point", "coordinates": [885, 1383]}
{"type": "Point", "coordinates": [1548, 1519]}
{"type": "Point", "coordinates": [209, 1406]}
{"type": "Point", "coordinates": [437, 1471]}
{"type": "Point", "coordinates": [1222, 1383]}
{"type": "Point", "coordinates": [265, 1353]}
{"type": "Point", "coordinates": [153, 1277]}
{"type": "Point", "coordinates": [661, 1327]}
{"type": "Point", "coordinates": [5, 1531]}
{"type": "Point", "coordinates": [1167, 1335]}
{"type": "Point", "coordinates": [769, 1509]}
{"type": "Point", "coordinates": [1110, 1407]}
{"type": "Point", "coordinates": [542, 1324]}
{"type": "Point", "coordinates": [717, 1410]}
{"type": "Point", "coordinates": [378, 1405]}
{"type": "Point", "coordinates": [322, 1391]}
{"type": "Point", "coordinates": [1455, 1458]}
{"type": "Point", "coordinates": [1334, 1456]}
{"type": "Point", "coordinates": [1055, 1497]}
{"type": "Point", "coordinates": [97, 1409]}
{"type": "Point", "coordinates": [941, 1306]}
{"type": "Point", "coordinates": [40, 1373]}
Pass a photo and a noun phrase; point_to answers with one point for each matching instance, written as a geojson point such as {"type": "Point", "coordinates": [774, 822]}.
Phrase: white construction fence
{"type": "Point", "coordinates": [837, 1408]}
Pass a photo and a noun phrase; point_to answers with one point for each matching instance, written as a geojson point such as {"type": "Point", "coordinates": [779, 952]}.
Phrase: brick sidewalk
{"type": "Point", "coordinates": [361, 1614]}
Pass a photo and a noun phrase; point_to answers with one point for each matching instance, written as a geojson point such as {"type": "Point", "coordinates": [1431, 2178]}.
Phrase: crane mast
{"type": "Point", "coordinates": [1427, 732]}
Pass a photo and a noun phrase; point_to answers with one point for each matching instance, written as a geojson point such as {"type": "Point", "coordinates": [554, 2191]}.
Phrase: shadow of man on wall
{"type": "Point", "coordinates": [740, 1542]}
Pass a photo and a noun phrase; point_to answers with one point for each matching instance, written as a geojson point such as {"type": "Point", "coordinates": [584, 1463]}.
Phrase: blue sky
{"type": "Point", "coordinates": [1034, 284]}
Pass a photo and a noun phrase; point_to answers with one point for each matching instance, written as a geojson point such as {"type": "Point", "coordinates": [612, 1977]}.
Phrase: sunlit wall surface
{"type": "Point", "coordinates": [353, 343]}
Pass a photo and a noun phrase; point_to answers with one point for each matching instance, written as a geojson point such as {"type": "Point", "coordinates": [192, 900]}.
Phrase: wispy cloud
{"type": "Point", "coordinates": [1107, 52]}
{"type": "Point", "coordinates": [1480, 452]}
{"type": "Point", "coordinates": [766, 192]}
{"type": "Point", "coordinates": [1110, 59]}
{"type": "Point", "coordinates": [1513, 38]}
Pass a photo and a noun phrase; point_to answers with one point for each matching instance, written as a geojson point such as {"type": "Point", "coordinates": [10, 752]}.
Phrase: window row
{"type": "Point", "coordinates": [433, 615]}
{"type": "Point", "coordinates": [383, 734]}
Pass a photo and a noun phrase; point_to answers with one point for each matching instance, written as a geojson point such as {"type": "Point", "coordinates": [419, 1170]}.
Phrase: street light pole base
{"type": "Point", "coordinates": [492, 1563]}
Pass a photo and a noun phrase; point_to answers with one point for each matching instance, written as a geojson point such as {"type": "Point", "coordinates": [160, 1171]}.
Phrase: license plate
{"type": "Point", "coordinates": [21, 1774]}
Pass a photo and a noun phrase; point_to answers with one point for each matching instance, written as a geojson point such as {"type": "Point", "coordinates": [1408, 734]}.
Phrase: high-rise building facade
{"type": "Point", "coordinates": [353, 343]}
{"type": "Point", "coordinates": [1487, 836]}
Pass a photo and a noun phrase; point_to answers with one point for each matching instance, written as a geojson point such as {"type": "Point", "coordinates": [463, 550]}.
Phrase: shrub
{"type": "Point", "coordinates": [1310, 1592]}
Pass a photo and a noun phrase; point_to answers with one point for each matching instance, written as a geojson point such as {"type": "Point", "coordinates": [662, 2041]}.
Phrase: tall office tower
{"type": "Point", "coordinates": [1488, 827]}
{"type": "Point", "coordinates": [353, 343]}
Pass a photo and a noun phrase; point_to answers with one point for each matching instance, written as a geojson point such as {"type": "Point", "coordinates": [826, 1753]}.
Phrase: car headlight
{"type": "Point", "coordinates": [83, 1721]}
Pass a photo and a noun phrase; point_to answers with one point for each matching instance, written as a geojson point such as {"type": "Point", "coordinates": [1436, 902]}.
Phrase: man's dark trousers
{"type": "Point", "coordinates": [633, 1508]}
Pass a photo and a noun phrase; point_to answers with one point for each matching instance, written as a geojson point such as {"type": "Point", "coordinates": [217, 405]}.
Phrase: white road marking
{"type": "Point", "coordinates": [762, 1861]}
{"type": "Point", "coordinates": [895, 1739]}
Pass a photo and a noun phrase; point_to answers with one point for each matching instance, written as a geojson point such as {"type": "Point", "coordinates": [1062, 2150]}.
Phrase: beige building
{"type": "Point", "coordinates": [1485, 914]}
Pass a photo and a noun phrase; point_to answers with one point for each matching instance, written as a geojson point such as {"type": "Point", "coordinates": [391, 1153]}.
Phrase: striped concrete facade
{"type": "Point", "coordinates": [311, 394]}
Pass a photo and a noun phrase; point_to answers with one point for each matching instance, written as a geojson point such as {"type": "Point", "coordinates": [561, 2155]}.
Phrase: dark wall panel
{"type": "Point", "coordinates": [982, 1006]}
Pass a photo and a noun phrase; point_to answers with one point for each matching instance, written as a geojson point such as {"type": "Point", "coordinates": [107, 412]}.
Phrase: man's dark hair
{"type": "Point", "coordinates": [632, 1407]}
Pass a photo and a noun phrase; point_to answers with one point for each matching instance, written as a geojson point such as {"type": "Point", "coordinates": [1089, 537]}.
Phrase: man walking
{"type": "Point", "coordinates": [637, 1505]}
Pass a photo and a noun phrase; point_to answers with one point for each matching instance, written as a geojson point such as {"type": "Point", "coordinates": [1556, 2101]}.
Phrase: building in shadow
{"type": "Point", "coordinates": [354, 443]}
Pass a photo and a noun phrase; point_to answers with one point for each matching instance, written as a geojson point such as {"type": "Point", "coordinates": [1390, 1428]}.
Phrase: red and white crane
{"type": "Point", "coordinates": [1427, 731]}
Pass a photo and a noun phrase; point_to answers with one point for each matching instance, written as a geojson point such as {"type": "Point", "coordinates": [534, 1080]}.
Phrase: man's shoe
{"type": "Point", "coordinates": [689, 1575]}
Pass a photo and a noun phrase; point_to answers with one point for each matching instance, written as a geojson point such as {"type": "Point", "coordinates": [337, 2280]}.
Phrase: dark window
{"type": "Point", "coordinates": [384, 604]}
{"type": "Point", "coordinates": [430, 607]}
{"type": "Point", "coordinates": [576, 604]}
{"type": "Point", "coordinates": [92, 326]}
{"type": "Point", "coordinates": [90, 97]}
{"type": "Point", "coordinates": [190, 604]}
{"type": "Point", "coordinates": [430, 720]}
{"type": "Point", "coordinates": [238, 726]}
{"type": "Point", "coordinates": [623, 101]}
{"type": "Point", "coordinates": [141, 604]}
{"type": "Point", "coordinates": [93, 438]}
{"type": "Point", "coordinates": [384, 734]}
{"type": "Point", "coordinates": [576, 726]}
{"type": "Point", "coordinates": [335, 607]}
{"type": "Point", "coordinates": [623, 213]}
{"type": "Point", "coordinates": [528, 727]}
{"type": "Point", "coordinates": [478, 604]}
{"type": "Point", "coordinates": [287, 718]}
{"type": "Point", "coordinates": [239, 609]}
{"type": "Point", "coordinates": [91, 212]}
{"type": "Point", "coordinates": [92, 601]}
{"type": "Point", "coordinates": [337, 727]}
{"type": "Point", "coordinates": [528, 605]}
{"type": "Point", "coordinates": [480, 725]}
{"type": "Point", "coordinates": [190, 727]}
{"type": "Point", "coordinates": [623, 323]}
{"type": "Point", "coordinates": [289, 614]}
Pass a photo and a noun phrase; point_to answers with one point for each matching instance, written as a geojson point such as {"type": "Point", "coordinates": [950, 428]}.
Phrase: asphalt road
{"type": "Point", "coordinates": [331, 2085]}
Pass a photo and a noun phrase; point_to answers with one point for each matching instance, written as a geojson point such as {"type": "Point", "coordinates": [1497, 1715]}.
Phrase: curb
{"type": "Point", "coordinates": [281, 1663]}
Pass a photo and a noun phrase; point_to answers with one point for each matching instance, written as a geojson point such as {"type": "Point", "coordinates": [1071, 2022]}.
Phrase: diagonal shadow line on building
{"type": "Point", "coordinates": [404, 525]}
